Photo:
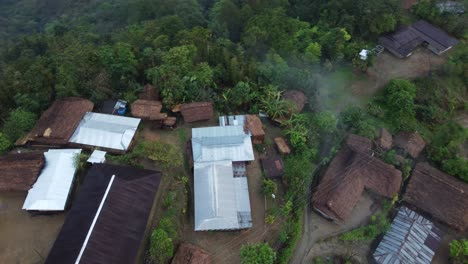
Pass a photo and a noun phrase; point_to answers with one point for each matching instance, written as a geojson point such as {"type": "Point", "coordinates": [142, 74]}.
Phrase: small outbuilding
{"type": "Point", "coordinates": [282, 146]}
{"type": "Point", "coordinates": [442, 196]}
{"type": "Point", "coordinates": [148, 109]}
{"type": "Point", "coordinates": [197, 111]}
{"type": "Point", "coordinates": [20, 171]}
{"type": "Point", "coordinates": [109, 218]}
{"type": "Point", "coordinates": [251, 123]}
{"type": "Point", "coordinates": [191, 254]}
{"type": "Point", "coordinates": [272, 164]}
{"type": "Point", "coordinates": [410, 142]}
{"type": "Point", "coordinates": [411, 239]}
{"type": "Point", "coordinates": [297, 98]}
{"type": "Point", "coordinates": [57, 124]}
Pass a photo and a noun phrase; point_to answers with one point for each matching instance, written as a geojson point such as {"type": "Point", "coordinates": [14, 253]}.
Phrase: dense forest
{"type": "Point", "coordinates": [239, 54]}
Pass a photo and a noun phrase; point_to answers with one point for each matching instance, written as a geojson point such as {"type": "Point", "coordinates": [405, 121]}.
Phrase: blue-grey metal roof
{"type": "Point", "coordinates": [221, 143]}
{"type": "Point", "coordinates": [411, 239]}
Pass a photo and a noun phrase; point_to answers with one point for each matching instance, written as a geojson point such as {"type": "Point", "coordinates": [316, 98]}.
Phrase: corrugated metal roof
{"type": "Point", "coordinates": [107, 131]}
{"type": "Point", "coordinates": [235, 120]}
{"type": "Point", "coordinates": [98, 156]}
{"type": "Point", "coordinates": [221, 201]}
{"type": "Point", "coordinates": [221, 143]}
{"type": "Point", "coordinates": [411, 239]}
{"type": "Point", "coordinates": [51, 190]}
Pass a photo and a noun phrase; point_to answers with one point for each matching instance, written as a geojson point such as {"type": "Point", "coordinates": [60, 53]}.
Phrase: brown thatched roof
{"type": "Point", "coordinates": [197, 111]}
{"type": "Point", "coordinates": [190, 254]}
{"type": "Point", "coordinates": [438, 194]}
{"type": "Point", "coordinates": [57, 124]}
{"type": "Point", "coordinates": [20, 171]}
{"type": "Point", "coordinates": [255, 126]}
{"type": "Point", "coordinates": [385, 140]}
{"type": "Point", "coordinates": [351, 171]}
{"type": "Point", "coordinates": [411, 142]}
{"type": "Point", "coordinates": [297, 97]}
{"type": "Point", "coordinates": [148, 93]}
{"type": "Point", "coordinates": [283, 147]}
{"type": "Point", "coordinates": [148, 109]}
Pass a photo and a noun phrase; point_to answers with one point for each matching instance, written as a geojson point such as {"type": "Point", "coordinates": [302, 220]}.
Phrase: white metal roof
{"type": "Point", "coordinates": [51, 190]}
{"type": "Point", "coordinates": [411, 239]}
{"type": "Point", "coordinates": [107, 131]}
{"type": "Point", "coordinates": [221, 143]}
{"type": "Point", "coordinates": [220, 199]}
{"type": "Point", "coordinates": [98, 156]}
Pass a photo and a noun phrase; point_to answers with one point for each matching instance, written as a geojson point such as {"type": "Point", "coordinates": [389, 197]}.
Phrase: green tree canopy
{"type": "Point", "coordinates": [257, 254]}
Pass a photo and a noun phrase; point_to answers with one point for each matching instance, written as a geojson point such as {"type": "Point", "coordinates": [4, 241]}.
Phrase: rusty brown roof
{"type": "Point", "coordinates": [197, 111]}
{"type": "Point", "coordinates": [190, 254]}
{"type": "Point", "coordinates": [353, 170]}
{"type": "Point", "coordinates": [148, 109]}
{"type": "Point", "coordinates": [57, 124]}
{"type": "Point", "coordinates": [297, 97]}
{"type": "Point", "coordinates": [438, 194]}
{"type": "Point", "coordinates": [411, 142]}
{"type": "Point", "coordinates": [20, 171]}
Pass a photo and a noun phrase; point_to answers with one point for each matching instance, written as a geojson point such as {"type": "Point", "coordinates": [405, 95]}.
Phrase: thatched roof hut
{"type": "Point", "coordinates": [385, 140]}
{"type": "Point", "coordinates": [148, 93]}
{"type": "Point", "coordinates": [20, 171]}
{"type": "Point", "coordinates": [58, 123]}
{"type": "Point", "coordinates": [297, 97]}
{"type": "Point", "coordinates": [148, 109]}
{"type": "Point", "coordinates": [190, 254]}
{"type": "Point", "coordinates": [438, 194]}
{"type": "Point", "coordinates": [254, 125]}
{"type": "Point", "coordinates": [197, 111]}
{"type": "Point", "coordinates": [352, 171]}
{"type": "Point", "coordinates": [411, 142]}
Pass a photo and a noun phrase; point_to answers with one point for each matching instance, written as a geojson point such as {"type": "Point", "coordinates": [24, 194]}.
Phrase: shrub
{"type": "Point", "coordinates": [269, 187]}
{"type": "Point", "coordinates": [257, 254]}
{"type": "Point", "coordinates": [5, 144]}
{"type": "Point", "coordinates": [459, 251]}
{"type": "Point", "coordinates": [456, 167]}
{"type": "Point", "coordinates": [169, 199]}
{"type": "Point", "coordinates": [169, 226]}
{"type": "Point", "coordinates": [18, 123]}
{"type": "Point", "coordinates": [161, 247]}
{"type": "Point", "coordinates": [168, 156]}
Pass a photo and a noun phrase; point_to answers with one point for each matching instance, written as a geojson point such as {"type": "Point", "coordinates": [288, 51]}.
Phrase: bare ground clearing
{"type": "Point", "coordinates": [25, 238]}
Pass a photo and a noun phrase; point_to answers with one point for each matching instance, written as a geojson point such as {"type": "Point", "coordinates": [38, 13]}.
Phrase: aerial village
{"type": "Point", "coordinates": [150, 180]}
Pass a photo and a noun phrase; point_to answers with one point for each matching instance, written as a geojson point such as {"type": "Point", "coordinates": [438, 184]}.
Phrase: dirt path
{"type": "Point", "coordinates": [316, 228]}
{"type": "Point", "coordinates": [25, 238]}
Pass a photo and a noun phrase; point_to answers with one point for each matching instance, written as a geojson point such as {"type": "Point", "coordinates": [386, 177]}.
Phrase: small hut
{"type": "Point", "coordinates": [148, 93]}
{"type": "Point", "coordinates": [190, 254]}
{"type": "Point", "coordinates": [411, 142]}
{"type": "Point", "coordinates": [197, 111]}
{"type": "Point", "coordinates": [148, 109]}
{"type": "Point", "coordinates": [20, 171]}
{"type": "Point", "coordinates": [385, 140]}
{"type": "Point", "coordinates": [298, 98]}
{"type": "Point", "coordinates": [282, 146]}
{"type": "Point", "coordinates": [254, 125]}
{"type": "Point", "coordinates": [272, 164]}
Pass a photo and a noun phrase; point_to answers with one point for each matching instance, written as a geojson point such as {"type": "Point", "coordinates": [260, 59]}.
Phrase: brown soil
{"type": "Point", "coordinates": [316, 229]}
{"type": "Point", "coordinates": [25, 238]}
{"type": "Point", "coordinates": [387, 67]}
